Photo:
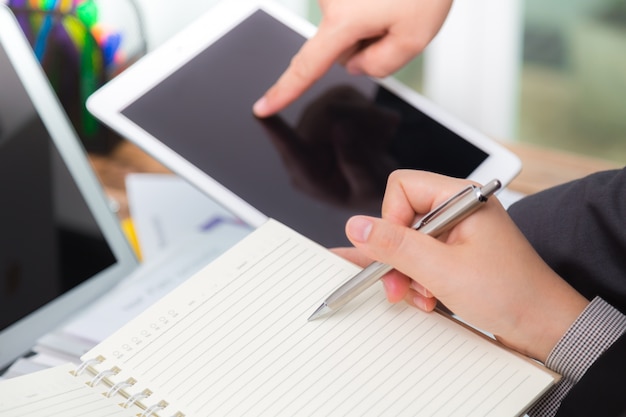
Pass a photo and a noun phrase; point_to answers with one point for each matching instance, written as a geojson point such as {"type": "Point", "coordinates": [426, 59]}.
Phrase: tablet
{"type": "Point", "coordinates": [326, 157]}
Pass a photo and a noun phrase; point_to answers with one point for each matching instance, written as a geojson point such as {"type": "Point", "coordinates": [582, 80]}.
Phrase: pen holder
{"type": "Point", "coordinates": [81, 44]}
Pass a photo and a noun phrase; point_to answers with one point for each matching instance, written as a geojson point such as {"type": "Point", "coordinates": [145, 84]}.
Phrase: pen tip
{"type": "Point", "coordinates": [321, 310]}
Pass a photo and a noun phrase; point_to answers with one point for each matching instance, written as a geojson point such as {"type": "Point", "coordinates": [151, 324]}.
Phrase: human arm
{"type": "Point", "coordinates": [484, 270]}
{"type": "Point", "coordinates": [368, 36]}
{"type": "Point", "coordinates": [589, 256]}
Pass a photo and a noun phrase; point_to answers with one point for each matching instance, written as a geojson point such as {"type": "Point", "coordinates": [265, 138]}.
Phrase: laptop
{"type": "Point", "coordinates": [61, 245]}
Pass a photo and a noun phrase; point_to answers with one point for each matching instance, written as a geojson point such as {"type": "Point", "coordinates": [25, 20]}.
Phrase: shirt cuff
{"type": "Point", "coordinates": [593, 332]}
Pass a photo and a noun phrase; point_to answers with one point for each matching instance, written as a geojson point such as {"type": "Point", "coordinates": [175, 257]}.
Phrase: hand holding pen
{"type": "Point", "coordinates": [483, 269]}
{"type": "Point", "coordinates": [439, 220]}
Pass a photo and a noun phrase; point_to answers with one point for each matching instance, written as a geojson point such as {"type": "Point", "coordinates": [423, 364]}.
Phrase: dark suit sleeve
{"type": "Point", "coordinates": [579, 229]}
{"type": "Point", "coordinates": [602, 390]}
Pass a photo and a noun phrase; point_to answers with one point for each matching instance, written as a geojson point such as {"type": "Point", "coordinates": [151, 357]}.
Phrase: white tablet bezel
{"type": "Point", "coordinates": [109, 101]}
{"type": "Point", "coordinates": [16, 339]}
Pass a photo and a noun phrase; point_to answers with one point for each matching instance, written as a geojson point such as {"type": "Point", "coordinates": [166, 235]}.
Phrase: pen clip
{"type": "Point", "coordinates": [423, 221]}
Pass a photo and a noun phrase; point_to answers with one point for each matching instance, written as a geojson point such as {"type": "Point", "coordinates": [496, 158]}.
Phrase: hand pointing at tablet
{"type": "Point", "coordinates": [368, 36]}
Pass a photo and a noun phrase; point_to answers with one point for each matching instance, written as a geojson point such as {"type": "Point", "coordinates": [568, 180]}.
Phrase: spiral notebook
{"type": "Point", "coordinates": [234, 340]}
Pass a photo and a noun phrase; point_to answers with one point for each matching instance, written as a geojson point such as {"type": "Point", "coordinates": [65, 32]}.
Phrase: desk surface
{"type": "Point", "coordinates": [542, 168]}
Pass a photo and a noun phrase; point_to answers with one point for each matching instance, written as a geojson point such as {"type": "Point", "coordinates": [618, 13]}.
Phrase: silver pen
{"type": "Point", "coordinates": [437, 221]}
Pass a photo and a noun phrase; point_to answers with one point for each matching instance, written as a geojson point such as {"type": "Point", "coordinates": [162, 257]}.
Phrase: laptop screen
{"type": "Point", "coordinates": [57, 234]}
{"type": "Point", "coordinates": [50, 242]}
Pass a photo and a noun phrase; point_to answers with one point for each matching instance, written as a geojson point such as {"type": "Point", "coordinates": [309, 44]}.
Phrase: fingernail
{"type": "Point", "coordinates": [260, 107]}
{"type": "Point", "coordinates": [354, 70]}
{"type": "Point", "coordinates": [420, 303]}
{"type": "Point", "coordinates": [359, 228]}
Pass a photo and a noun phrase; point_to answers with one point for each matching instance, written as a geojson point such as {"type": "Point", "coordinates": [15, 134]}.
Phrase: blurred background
{"type": "Point", "coordinates": [548, 72]}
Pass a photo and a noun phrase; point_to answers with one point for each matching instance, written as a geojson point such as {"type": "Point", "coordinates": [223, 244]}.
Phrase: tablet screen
{"type": "Point", "coordinates": [323, 159]}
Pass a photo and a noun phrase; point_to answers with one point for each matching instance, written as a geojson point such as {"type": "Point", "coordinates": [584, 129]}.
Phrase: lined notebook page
{"type": "Point", "coordinates": [235, 340]}
{"type": "Point", "coordinates": [55, 392]}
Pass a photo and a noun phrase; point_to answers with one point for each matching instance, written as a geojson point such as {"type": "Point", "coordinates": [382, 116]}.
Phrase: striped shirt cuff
{"type": "Point", "coordinates": [593, 332]}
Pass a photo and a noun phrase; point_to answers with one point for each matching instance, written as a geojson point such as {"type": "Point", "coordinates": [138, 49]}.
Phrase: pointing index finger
{"type": "Point", "coordinates": [311, 62]}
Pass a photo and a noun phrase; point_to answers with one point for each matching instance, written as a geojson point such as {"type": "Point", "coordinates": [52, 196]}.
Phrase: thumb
{"type": "Point", "coordinates": [399, 246]}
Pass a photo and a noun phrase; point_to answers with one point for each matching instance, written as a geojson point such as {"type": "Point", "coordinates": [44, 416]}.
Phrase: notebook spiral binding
{"type": "Point", "coordinates": [121, 388]}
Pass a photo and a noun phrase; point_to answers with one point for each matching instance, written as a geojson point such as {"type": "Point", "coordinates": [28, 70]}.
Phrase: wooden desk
{"type": "Point", "coordinates": [113, 168]}
{"type": "Point", "coordinates": [542, 168]}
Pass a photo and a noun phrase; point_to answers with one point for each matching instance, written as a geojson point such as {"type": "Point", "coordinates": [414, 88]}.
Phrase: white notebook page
{"type": "Point", "coordinates": [56, 392]}
{"type": "Point", "coordinates": [235, 340]}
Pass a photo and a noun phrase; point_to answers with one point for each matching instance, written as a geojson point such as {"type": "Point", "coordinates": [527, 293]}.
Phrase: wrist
{"type": "Point", "coordinates": [542, 323]}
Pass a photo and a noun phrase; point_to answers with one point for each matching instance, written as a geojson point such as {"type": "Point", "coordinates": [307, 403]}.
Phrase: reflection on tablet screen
{"type": "Point", "coordinates": [320, 161]}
